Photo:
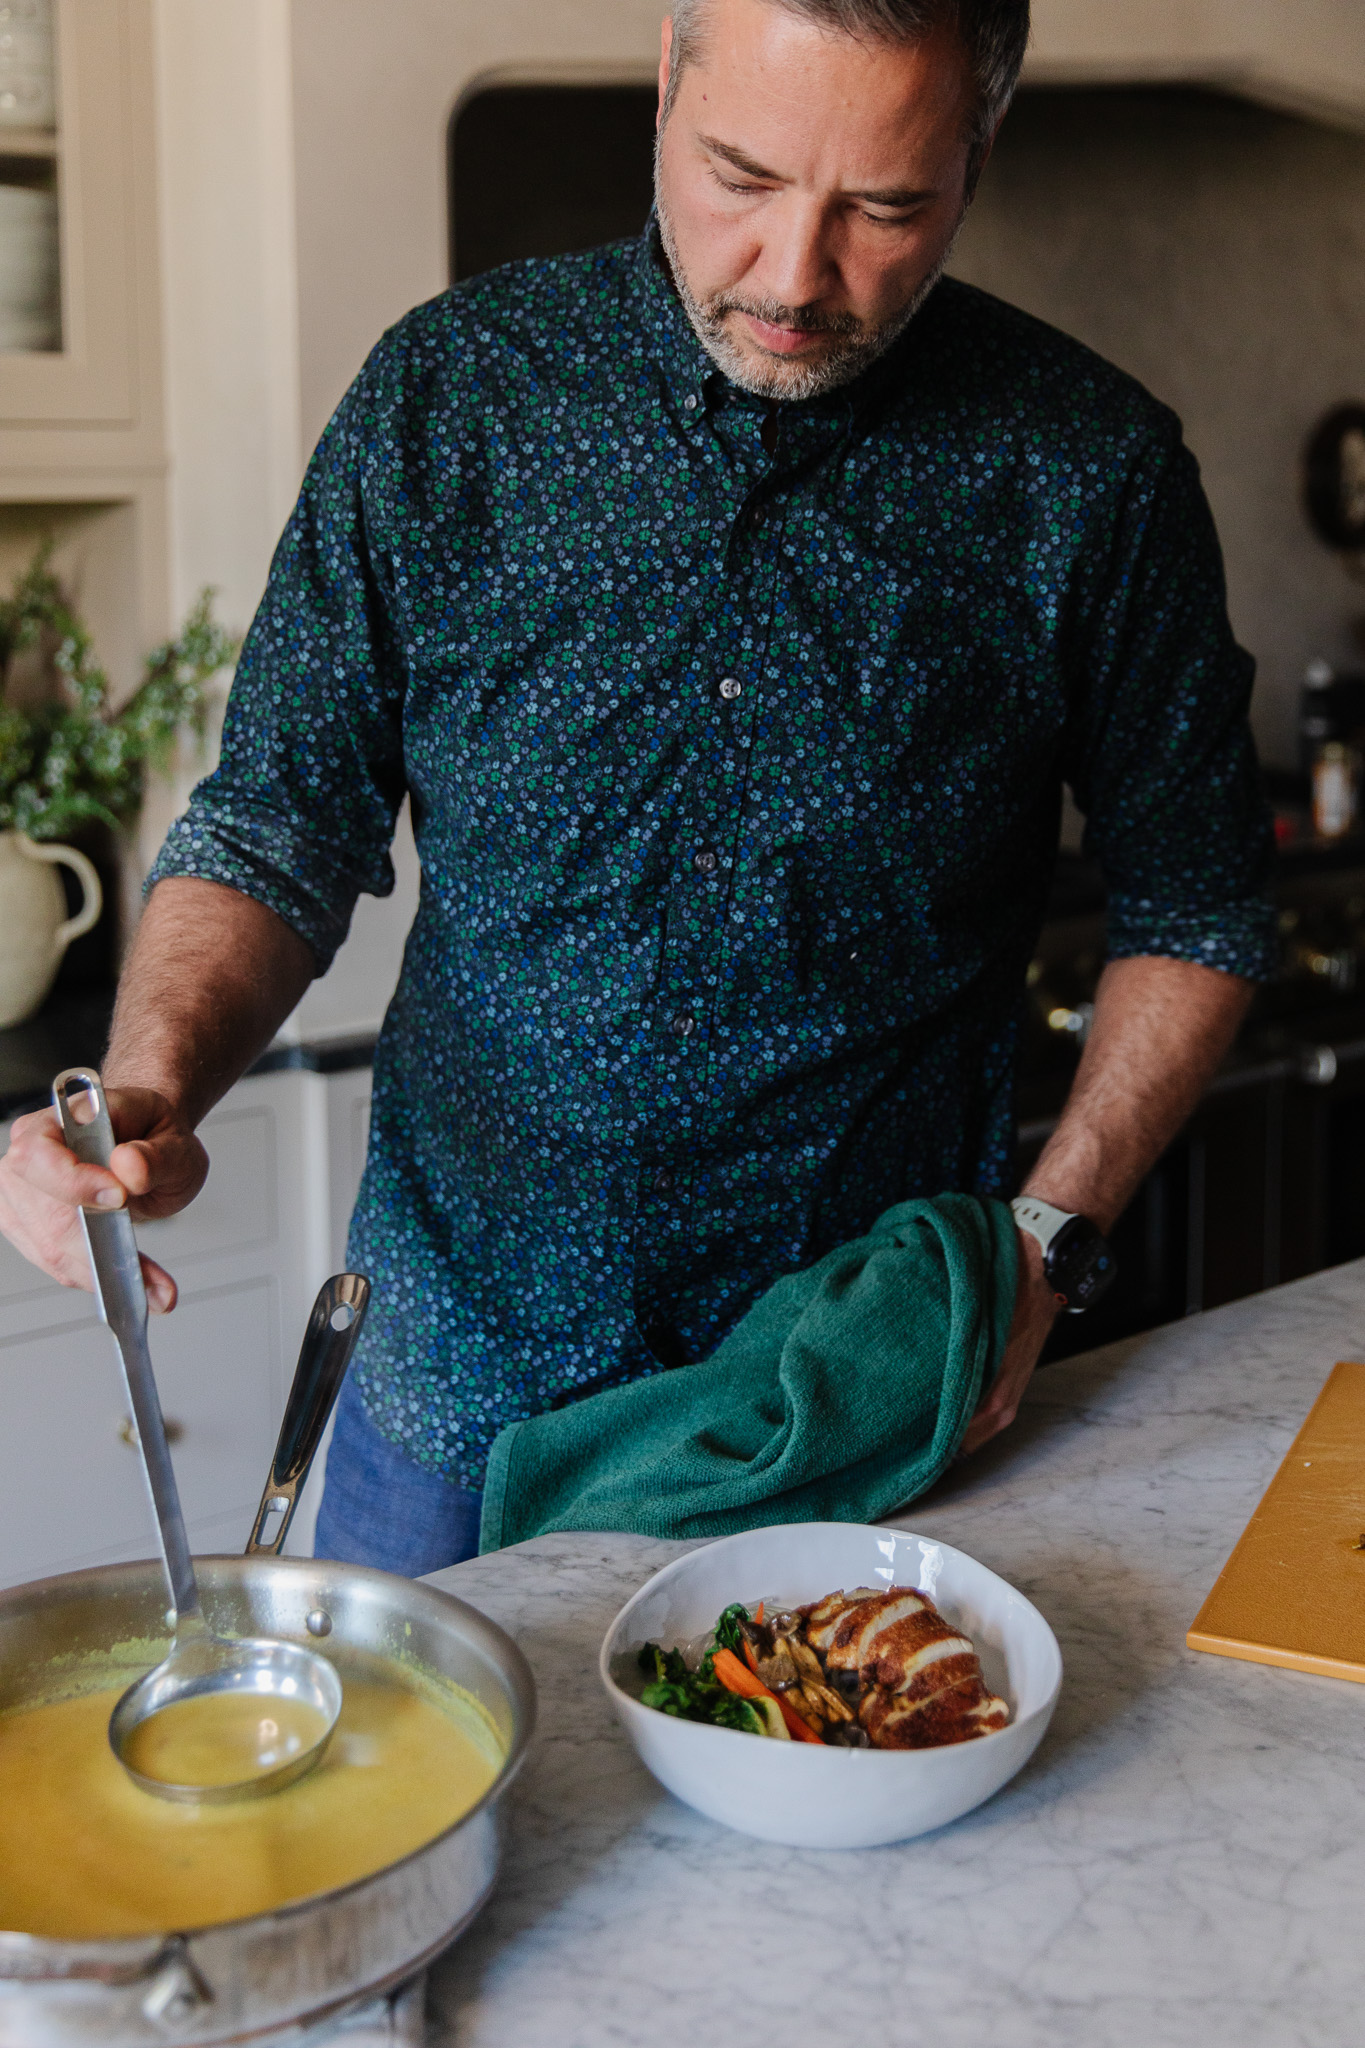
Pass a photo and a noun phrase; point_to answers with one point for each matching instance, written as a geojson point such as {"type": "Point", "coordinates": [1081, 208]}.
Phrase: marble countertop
{"type": "Point", "coordinates": [1183, 1862]}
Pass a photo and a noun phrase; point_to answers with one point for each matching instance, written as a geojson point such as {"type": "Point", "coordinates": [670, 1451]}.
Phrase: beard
{"type": "Point", "coordinates": [852, 343]}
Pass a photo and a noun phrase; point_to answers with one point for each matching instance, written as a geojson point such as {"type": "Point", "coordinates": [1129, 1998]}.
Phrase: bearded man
{"type": "Point", "coordinates": [731, 605]}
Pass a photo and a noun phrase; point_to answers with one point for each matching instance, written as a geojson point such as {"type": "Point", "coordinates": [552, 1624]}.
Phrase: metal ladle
{"type": "Point", "coordinates": [200, 1662]}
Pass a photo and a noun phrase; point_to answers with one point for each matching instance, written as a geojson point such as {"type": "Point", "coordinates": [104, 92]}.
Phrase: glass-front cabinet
{"type": "Point", "coordinates": [74, 139]}
{"type": "Point", "coordinates": [30, 227]}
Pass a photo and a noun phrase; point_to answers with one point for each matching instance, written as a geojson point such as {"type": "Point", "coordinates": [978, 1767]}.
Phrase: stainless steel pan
{"type": "Point", "coordinates": [267, 1978]}
{"type": "Point", "coordinates": [270, 1977]}
{"type": "Point", "coordinates": [262, 1978]}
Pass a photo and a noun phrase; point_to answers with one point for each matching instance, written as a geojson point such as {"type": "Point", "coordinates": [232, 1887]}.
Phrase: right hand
{"type": "Point", "coordinates": [156, 1168]}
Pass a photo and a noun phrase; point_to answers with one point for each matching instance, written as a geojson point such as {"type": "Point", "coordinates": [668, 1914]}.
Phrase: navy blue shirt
{"type": "Point", "coordinates": [735, 762]}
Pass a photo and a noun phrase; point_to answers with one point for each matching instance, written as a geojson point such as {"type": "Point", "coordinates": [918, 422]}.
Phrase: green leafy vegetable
{"type": "Point", "coordinates": [729, 1629]}
{"type": "Point", "coordinates": [694, 1695]}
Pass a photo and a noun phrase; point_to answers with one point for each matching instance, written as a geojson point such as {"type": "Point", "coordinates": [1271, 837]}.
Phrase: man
{"type": "Point", "coordinates": [732, 606]}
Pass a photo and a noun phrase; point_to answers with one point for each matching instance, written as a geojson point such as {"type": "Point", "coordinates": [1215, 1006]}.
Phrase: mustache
{"type": "Point", "coordinates": [804, 319]}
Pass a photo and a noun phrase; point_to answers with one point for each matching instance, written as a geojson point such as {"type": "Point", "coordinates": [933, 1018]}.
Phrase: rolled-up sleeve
{"type": "Point", "coordinates": [300, 812]}
{"type": "Point", "coordinates": [1159, 751]}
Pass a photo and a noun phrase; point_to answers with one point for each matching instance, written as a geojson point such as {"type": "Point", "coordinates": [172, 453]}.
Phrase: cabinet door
{"type": "Point", "coordinates": [91, 378]}
{"type": "Point", "coordinates": [248, 1254]}
{"type": "Point", "coordinates": [73, 1489]}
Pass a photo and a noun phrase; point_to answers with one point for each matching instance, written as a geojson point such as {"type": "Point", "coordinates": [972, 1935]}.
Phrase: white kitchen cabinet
{"type": "Point", "coordinates": [347, 1137]}
{"type": "Point", "coordinates": [91, 403]}
{"type": "Point", "coordinates": [286, 1151]}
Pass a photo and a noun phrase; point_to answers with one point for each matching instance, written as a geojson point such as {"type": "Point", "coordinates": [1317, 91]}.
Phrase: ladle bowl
{"type": "Point", "coordinates": [255, 1669]}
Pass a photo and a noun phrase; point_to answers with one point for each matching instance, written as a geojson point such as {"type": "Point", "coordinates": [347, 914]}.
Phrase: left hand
{"type": "Point", "coordinates": [1035, 1311]}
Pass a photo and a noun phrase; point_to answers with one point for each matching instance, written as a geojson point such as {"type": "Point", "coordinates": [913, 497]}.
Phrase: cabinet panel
{"type": "Point", "coordinates": [71, 1487]}
{"type": "Point", "coordinates": [92, 377]}
{"type": "Point", "coordinates": [20, 1282]}
{"type": "Point", "coordinates": [348, 1137]}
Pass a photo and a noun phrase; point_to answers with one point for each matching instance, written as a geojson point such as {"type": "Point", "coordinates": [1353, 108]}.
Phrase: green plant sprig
{"type": "Point", "coordinates": [73, 760]}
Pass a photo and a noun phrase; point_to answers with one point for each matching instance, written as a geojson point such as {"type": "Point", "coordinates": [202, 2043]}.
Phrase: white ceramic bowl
{"type": "Point", "coordinates": [832, 1798]}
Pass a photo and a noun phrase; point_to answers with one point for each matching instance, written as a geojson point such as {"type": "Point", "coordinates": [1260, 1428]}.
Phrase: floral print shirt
{"type": "Point", "coordinates": [734, 736]}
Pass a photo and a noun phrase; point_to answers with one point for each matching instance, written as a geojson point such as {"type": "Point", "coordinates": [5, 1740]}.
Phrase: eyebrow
{"type": "Point", "coordinates": [897, 196]}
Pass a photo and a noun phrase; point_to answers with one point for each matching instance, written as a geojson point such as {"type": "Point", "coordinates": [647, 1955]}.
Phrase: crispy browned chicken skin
{"type": "Point", "coordinates": [918, 1681]}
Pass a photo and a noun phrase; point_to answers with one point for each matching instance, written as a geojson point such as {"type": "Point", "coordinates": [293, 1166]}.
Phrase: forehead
{"type": "Point", "coordinates": [797, 85]}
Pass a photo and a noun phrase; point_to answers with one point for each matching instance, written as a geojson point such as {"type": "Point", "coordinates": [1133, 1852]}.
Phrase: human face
{"type": "Point", "coordinates": [809, 186]}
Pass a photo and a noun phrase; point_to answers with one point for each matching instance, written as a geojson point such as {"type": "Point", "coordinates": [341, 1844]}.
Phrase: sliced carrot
{"type": "Point", "coordinates": [735, 1678]}
{"type": "Point", "coordinates": [758, 1617]}
{"type": "Point", "coordinates": [751, 1656]}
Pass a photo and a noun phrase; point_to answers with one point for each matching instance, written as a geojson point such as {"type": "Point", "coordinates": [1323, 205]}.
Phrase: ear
{"type": "Point", "coordinates": [974, 177]}
{"type": "Point", "coordinates": [665, 55]}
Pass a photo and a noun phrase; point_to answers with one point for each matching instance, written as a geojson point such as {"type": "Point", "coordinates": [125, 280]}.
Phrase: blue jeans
{"type": "Point", "coordinates": [379, 1508]}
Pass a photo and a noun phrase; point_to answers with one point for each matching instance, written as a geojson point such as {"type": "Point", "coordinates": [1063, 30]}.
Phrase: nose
{"type": "Point", "coordinates": [798, 261]}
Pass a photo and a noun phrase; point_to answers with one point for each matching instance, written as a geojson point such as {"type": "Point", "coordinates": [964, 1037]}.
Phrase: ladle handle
{"type": "Point", "coordinates": [122, 1302]}
{"type": "Point", "coordinates": [328, 1342]}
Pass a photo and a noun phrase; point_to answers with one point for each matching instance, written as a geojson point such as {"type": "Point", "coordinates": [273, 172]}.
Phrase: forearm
{"type": "Point", "coordinates": [1161, 1028]}
{"type": "Point", "coordinates": [211, 977]}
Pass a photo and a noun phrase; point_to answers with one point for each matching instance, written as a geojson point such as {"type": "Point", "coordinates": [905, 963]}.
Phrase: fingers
{"type": "Point", "coordinates": [987, 1423]}
{"type": "Point", "coordinates": [157, 1166]}
{"type": "Point", "coordinates": [162, 1292]}
{"type": "Point", "coordinates": [162, 1174]}
{"type": "Point", "coordinates": [44, 1231]}
{"type": "Point", "coordinates": [39, 1160]}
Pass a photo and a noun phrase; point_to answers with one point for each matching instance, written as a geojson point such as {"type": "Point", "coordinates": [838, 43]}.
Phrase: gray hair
{"type": "Point", "coordinates": [994, 32]}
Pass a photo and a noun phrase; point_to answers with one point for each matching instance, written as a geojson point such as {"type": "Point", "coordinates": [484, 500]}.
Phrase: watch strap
{"type": "Point", "coordinates": [1040, 1219]}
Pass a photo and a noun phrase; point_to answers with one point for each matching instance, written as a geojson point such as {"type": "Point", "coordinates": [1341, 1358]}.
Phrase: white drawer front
{"type": "Point", "coordinates": [70, 1487]}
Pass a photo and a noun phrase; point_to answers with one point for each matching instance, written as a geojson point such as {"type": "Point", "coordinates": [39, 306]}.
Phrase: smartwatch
{"type": "Point", "coordinates": [1078, 1261]}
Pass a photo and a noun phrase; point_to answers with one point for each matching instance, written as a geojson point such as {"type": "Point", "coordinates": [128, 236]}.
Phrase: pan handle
{"type": "Point", "coordinates": [29, 1959]}
{"type": "Point", "coordinates": [328, 1343]}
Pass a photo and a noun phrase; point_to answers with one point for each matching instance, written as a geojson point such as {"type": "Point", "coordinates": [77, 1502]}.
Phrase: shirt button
{"type": "Point", "coordinates": [754, 517]}
{"type": "Point", "coordinates": [705, 862]}
{"type": "Point", "coordinates": [730, 688]}
{"type": "Point", "coordinates": [683, 1026]}
{"type": "Point", "coordinates": [663, 1182]}
{"type": "Point", "coordinates": [690, 402]}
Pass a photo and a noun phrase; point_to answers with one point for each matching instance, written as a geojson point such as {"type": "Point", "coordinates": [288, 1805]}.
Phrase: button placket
{"type": "Point", "coordinates": [707, 830]}
{"type": "Point", "coordinates": [743, 692]}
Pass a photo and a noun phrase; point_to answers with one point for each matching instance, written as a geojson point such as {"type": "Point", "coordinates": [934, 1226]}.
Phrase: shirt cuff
{"type": "Point", "coordinates": [263, 861]}
{"type": "Point", "coordinates": [1236, 938]}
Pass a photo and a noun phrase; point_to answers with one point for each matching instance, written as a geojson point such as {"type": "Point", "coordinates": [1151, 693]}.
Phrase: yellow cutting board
{"type": "Point", "coordinates": [1293, 1591]}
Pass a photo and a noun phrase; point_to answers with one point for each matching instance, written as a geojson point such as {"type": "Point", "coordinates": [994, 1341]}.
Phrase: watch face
{"type": "Point", "coordinates": [1080, 1264]}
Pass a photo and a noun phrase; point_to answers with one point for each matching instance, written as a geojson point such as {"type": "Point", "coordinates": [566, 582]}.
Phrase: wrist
{"type": "Point", "coordinates": [1075, 1258]}
{"type": "Point", "coordinates": [1074, 1194]}
{"type": "Point", "coordinates": [1032, 1271]}
{"type": "Point", "coordinates": [173, 1095]}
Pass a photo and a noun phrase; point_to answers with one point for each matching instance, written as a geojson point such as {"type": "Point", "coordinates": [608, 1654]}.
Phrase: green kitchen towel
{"type": "Point", "coordinates": [842, 1394]}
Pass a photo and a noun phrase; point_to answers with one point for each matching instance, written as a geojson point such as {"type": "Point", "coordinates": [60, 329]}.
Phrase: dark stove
{"type": "Point", "coordinates": [1267, 1182]}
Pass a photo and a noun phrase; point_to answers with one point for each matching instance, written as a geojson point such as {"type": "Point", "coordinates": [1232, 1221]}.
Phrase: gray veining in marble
{"type": "Point", "coordinates": [1182, 1862]}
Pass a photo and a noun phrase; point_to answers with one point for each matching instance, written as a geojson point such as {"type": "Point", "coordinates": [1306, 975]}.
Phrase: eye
{"type": "Point", "coordinates": [891, 220]}
{"type": "Point", "coordinates": [731, 185]}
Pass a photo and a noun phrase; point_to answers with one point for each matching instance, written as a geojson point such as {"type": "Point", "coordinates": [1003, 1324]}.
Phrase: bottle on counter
{"type": "Point", "coordinates": [1336, 779]}
{"type": "Point", "coordinates": [1317, 725]}
{"type": "Point", "coordinates": [1331, 707]}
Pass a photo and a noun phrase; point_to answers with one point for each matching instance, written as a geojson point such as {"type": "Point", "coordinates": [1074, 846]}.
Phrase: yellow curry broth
{"type": "Point", "coordinates": [225, 1738]}
{"type": "Point", "coordinates": [84, 1853]}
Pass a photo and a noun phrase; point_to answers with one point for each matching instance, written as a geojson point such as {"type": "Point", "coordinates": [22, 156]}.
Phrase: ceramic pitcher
{"type": "Point", "coordinates": [35, 930]}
